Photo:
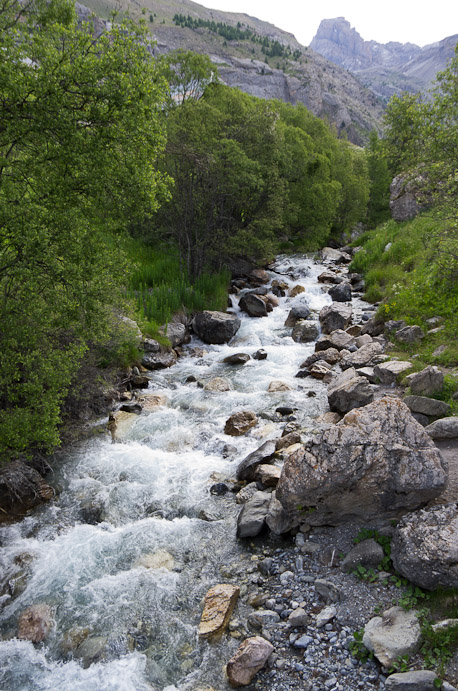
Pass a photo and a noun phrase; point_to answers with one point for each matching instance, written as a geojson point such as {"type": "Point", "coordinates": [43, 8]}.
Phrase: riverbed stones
{"type": "Point", "coordinates": [425, 547]}
{"type": "Point", "coordinates": [218, 384]}
{"type": "Point", "coordinates": [364, 356]}
{"type": "Point", "coordinates": [215, 327]}
{"type": "Point", "coordinates": [427, 406]}
{"type": "Point", "coordinates": [417, 680]}
{"type": "Point", "coordinates": [376, 463]}
{"type": "Point", "coordinates": [335, 316]}
{"type": "Point", "coordinates": [341, 292]}
{"type": "Point", "coordinates": [35, 623]}
{"type": "Point", "coordinates": [394, 634]}
{"type": "Point", "coordinates": [428, 382]}
{"type": "Point", "coordinates": [445, 428]}
{"type": "Point", "coordinates": [240, 423]}
{"type": "Point", "coordinates": [155, 361]}
{"type": "Point", "coordinates": [219, 604]}
{"type": "Point", "coordinates": [237, 359]}
{"type": "Point", "coordinates": [247, 468]}
{"type": "Point", "coordinates": [349, 390]}
{"type": "Point", "coordinates": [253, 305]}
{"type": "Point", "coordinates": [388, 372]}
{"type": "Point", "coordinates": [297, 313]}
{"type": "Point", "coordinates": [252, 517]}
{"type": "Point", "coordinates": [251, 657]}
{"type": "Point", "coordinates": [296, 290]}
{"type": "Point", "coordinates": [305, 331]}
{"type": "Point", "coordinates": [338, 340]}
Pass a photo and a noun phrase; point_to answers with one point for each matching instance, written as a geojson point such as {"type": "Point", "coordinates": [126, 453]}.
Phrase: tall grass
{"type": "Point", "coordinates": [160, 287]}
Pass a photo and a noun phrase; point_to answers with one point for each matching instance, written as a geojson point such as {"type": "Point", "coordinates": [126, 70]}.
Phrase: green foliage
{"type": "Point", "coordinates": [80, 132]}
{"type": "Point", "coordinates": [358, 649]}
{"type": "Point", "coordinates": [383, 540]}
{"type": "Point", "coordinates": [188, 75]}
{"type": "Point", "coordinates": [378, 209]}
{"type": "Point", "coordinates": [438, 645]}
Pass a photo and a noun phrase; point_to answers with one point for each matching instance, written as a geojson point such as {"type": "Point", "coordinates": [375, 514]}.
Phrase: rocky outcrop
{"type": "Point", "coordinates": [219, 604]}
{"type": "Point", "coordinates": [425, 547]}
{"type": "Point", "coordinates": [376, 463]}
{"type": "Point", "coordinates": [215, 327]}
{"type": "Point", "coordinates": [248, 660]}
{"type": "Point", "coordinates": [394, 634]}
{"type": "Point", "coordinates": [406, 197]}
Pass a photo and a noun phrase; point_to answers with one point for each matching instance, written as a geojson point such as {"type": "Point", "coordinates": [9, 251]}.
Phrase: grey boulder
{"type": "Point", "coordinates": [335, 316]}
{"type": "Point", "coordinates": [252, 517]}
{"type": "Point", "coordinates": [349, 390]}
{"type": "Point", "coordinates": [215, 327]}
{"type": "Point", "coordinates": [394, 634]}
{"type": "Point", "coordinates": [428, 382]}
{"type": "Point", "coordinates": [427, 406]}
{"type": "Point", "coordinates": [446, 428]}
{"type": "Point", "coordinates": [341, 292]}
{"type": "Point", "coordinates": [305, 331]}
{"type": "Point", "coordinates": [253, 305]}
{"type": "Point", "coordinates": [247, 468]}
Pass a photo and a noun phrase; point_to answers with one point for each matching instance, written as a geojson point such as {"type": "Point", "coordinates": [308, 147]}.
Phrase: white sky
{"type": "Point", "coordinates": [406, 21]}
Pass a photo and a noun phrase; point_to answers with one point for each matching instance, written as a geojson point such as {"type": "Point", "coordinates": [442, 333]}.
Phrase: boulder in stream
{"type": "Point", "coordinates": [219, 604]}
{"type": "Point", "coordinates": [240, 423]}
{"type": "Point", "coordinates": [247, 468]}
{"type": "Point", "coordinates": [215, 327]}
{"type": "Point", "coordinates": [335, 316]}
{"type": "Point", "coordinates": [35, 623]}
{"type": "Point", "coordinates": [253, 305]}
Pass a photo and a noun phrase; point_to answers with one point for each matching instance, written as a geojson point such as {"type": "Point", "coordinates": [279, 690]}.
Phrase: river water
{"type": "Point", "coordinates": [137, 626]}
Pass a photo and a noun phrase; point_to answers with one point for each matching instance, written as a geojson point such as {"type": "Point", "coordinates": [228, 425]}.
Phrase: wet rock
{"type": "Point", "coordinates": [246, 493]}
{"type": "Point", "coordinates": [367, 553]}
{"type": "Point", "coordinates": [428, 382]}
{"type": "Point", "coordinates": [237, 359]}
{"type": "Point", "coordinates": [296, 290]}
{"type": "Point", "coordinates": [394, 634]}
{"type": "Point", "coordinates": [240, 423]}
{"type": "Point", "coordinates": [215, 327]}
{"type": "Point", "coordinates": [335, 316]}
{"type": "Point", "coordinates": [410, 334]}
{"type": "Point", "coordinates": [260, 354]}
{"type": "Point", "coordinates": [425, 547]}
{"type": "Point", "coordinates": [446, 428]}
{"type": "Point", "coordinates": [287, 440]}
{"type": "Point", "coordinates": [219, 489]}
{"type": "Point", "coordinates": [161, 559]}
{"type": "Point", "coordinates": [155, 361]}
{"type": "Point", "coordinates": [276, 385]}
{"type": "Point", "coordinates": [340, 292]}
{"type": "Point", "coordinates": [252, 517]}
{"type": "Point", "coordinates": [73, 638]}
{"type": "Point", "coordinates": [131, 408]}
{"type": "Point", "coordinates": [248, 660]}
{"type": "Point", "coordinates": [348, 391]}
{"type": "Point", "coordinates": [305, 331]}
{"type": "Point", "coordinates": [219, 604]}
{"type": "Point", "coordinates": [337, 340]}
{"type": "Point", "coordinates": [151, 401]}
{"type": "Point", "coordinates": [92, 650]}
{"type": "Point", "coordinates": [35, 623]}
{"type": "Point", "coordinates": [268, 475]}
{"type": "Point", "coordinates": [418, 680]}
{"type": "Point", "coordinates": [218, 384]}
{"type": "Point", "coordinates": [120, 423]}
{"type": "Point", "coordinates": [388, 372]}
{"type": "Point", "coordinates": [253, 305]}
{"type": "Point", "coordinates": [139, 381]}
{"type": "Point", "coordinates": [427, 406]}
{"type": "Point", "coordinates": [376, 462]}
{"type": "Point", "coordinates": [259, 276]}
{"type": "Point", "coordinates": [285, 410]}
{"type": "Point", "coordinates": [365, 355]}
{"type": "Point", "coordinates": [330, 355]}
{"type": "Point", "coordinates": [22, 486]}
{"type": "Point", "coordinates": [297, 313]}
{"type": "Point", "coordinates": [247, 468]}
{"type": "Point", "coordinates": [330, 254]}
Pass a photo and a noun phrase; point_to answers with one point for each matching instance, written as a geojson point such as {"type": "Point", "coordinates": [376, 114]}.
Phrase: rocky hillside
{"type": "Point", "coordinates": [260, 59]}
{"type": "Point", "coordinates": [388, 68]}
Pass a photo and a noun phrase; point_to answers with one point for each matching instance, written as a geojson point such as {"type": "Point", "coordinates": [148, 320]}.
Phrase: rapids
{"type": "Point", "coordinates": [138, 626]}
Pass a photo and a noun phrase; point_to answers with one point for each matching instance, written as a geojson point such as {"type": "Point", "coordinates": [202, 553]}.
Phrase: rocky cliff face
{"type": "Point", "coordinates": [303, 76]}
{"type": "Point", "coordinates": [386, 68]}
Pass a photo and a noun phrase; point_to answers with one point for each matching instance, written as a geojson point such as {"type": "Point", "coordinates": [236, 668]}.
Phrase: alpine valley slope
{"type": "Point", "coordinates": [386, 68]}
{"type": "Point", "coordinates": [296, 75]}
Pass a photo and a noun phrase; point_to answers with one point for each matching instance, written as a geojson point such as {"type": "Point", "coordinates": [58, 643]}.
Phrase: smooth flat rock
{"type": "Point", "coordinates": [445, 428]}
{"type": "Point", "coordinates": [219, 604]}
{"type": "Point", "coordinates": [388, 372]}
{"type": "Point", "coordinates": [427, 406]}
{"type": "Point", "coordinates": [418, 680]}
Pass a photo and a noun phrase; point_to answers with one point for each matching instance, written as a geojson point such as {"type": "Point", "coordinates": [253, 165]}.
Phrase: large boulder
{"type": "Point", "coordinates": [252, 517]}
{"type": "Point", "coordinates": [427, 406]}
{"type": "Point", "coordinates": [349, 390]}
{"type": "Point", "coordinates": [368, 354]}
{"type": "Point", "coordinates": [425, 547]}
{"type": "Point", "coordinates": [394, 634]}
{"type": "Point", "coordinates": [215, 327]}
{"type": "Point", "coordinates": [341, 292]}
{"type": "Point", "coordinates": [335, 316]}
{"type": "Point", "coordinates": [445, 428]}
{"type": "Point", "coordinates": [305, 331]}
{"type": "Point", "coordinates": [296, 313]}
{"type": "Point", "coordinates": [247, 467]}
{"type": "Point", "coordinates": [376, 463]}
{"type": "Point", "coordinates": [428, 382]}
{"type": "Point", "coordinates": [253, 305]}
{"type": "Point", "coordinates": [248, 660]}
{"type": "Point", "coordinates": [219, 604]}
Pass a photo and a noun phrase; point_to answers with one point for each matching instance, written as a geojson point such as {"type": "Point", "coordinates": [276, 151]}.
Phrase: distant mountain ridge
{"type": "Point", "coordinates": [386, 68]}
{"type": "Point", "coordinates": [299, 75]}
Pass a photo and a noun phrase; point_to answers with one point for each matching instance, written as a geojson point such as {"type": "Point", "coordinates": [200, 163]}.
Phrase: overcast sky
{"type": "Point", "coordinates": [419, 22]}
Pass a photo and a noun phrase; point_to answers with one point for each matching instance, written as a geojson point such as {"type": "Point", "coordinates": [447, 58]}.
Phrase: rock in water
{"type": "Point", "coordinates": [247, 468]}
{"type": "Point", "coordinates": [35, 623]}
{"type": "Point", "coordinates": [252, 517]}
{"type": "Point", "coordinates": [218, 607]}
{"type": "Point", "coordinates": [394, 634]}
{"type": "Point", "coordinates": [253, 305]}
{"type": "Point", "coordinates": [240, 423]}
{"type": "Point", "coordinates": [377, 462]}
{"type": "Point", "coordinates": [248, 660]}
{"type": "Point", "coordinates": [425, 547]}
{"type": "Point", "coordinates": [335, 316]}
{"type": "Point", "coordinates": [215, 327]}
{"type": "Point", "coordinates": [305, 331]}
{"type": "Point", "coordinates": [341, 292]}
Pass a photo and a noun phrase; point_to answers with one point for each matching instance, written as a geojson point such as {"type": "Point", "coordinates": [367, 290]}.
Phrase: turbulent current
{"type": "Point", "coordinates": [119, 624]}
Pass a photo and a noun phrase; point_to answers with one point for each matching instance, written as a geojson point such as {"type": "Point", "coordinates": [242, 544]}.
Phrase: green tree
{"type": "Point", "coordinates": [350, 169]}
{"type": "Point", "coordinates": [404, 123]}
{"type": "Point", "coordinates": [380, 179]}
{"type": "Point", "coordinates": [80, 129]}
{"type": "Point", "coordinates": [188, 74]}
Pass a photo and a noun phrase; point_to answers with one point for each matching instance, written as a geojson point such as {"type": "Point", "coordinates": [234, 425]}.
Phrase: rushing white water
{"type": "Point", "coordinates": [138, 625]}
